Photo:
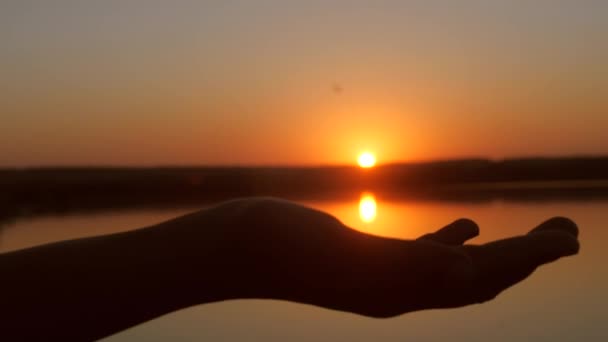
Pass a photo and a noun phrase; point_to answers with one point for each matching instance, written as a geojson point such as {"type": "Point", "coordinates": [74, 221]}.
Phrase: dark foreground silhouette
{"type": "Point", "coordinates": [86, 289]}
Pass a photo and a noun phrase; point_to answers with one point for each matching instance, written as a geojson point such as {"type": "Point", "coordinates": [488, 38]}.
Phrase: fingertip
{"type": "Point", "coordinates": [576, 247]}
{"type": "Point", "coordinates": [464, 227]}
{"type": "Point", "coordinates": [552, 245]}
{"type": "Point", "coordinates": [469, 226]}
{"type": "Point", "coordinates": [558, 223]}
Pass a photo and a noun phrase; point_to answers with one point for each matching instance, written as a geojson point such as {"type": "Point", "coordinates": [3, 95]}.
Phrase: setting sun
{"type": "Point", "coordinates": [367, 207]}
{"type": "Point", "coordinates": [366, 159]}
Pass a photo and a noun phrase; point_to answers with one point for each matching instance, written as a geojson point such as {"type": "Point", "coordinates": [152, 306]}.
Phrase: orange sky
{"type": "Point", "coordinates": [159, 83]}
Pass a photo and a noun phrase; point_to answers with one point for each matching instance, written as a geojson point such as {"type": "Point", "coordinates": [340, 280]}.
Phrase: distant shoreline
{"type": "Point", "coordinates": [75, 188]}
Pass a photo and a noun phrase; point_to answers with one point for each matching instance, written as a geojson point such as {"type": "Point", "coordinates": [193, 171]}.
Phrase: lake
{"type": "Point", "coordinates": [563, 301]}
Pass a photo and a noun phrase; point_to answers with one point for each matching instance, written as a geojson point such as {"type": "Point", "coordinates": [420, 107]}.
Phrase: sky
{"type": "Point", "coordinates": [148, 83]}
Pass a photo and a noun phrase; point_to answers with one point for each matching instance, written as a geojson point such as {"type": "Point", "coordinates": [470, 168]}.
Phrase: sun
{"type": "Point", "coordinates": [366, 159]}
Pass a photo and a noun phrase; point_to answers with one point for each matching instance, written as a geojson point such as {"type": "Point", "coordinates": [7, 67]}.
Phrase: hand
{"type": "Point", "coordinates": [89, 288]}
{"type": "Point", "coordinates": [282, 250]}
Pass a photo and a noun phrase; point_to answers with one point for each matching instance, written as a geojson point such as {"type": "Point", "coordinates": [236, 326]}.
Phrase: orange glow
{"type": "Point", "coordinates": [366, 160]}
{"type": "Point", "coordinates": [367, 208]}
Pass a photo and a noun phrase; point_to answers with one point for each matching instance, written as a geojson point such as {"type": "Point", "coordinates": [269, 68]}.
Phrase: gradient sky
{"type": "Point", "coordinates": [254, 82]}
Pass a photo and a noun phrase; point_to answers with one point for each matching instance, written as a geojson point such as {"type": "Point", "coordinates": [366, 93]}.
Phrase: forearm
{"type": "Point", "coordinates": [89, 288]}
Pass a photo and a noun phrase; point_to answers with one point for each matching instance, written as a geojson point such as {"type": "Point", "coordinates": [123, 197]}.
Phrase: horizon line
{"type": "Point", "coordinates": [303, 166]}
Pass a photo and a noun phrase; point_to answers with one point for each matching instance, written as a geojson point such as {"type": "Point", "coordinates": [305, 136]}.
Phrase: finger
{"type": "Point", "coordinates": [538, 248]}
{"type": "Point", "coordinates": [503, 263]}
{"type": "Point", "coordinates": [456, 233]}
{"type": "Point", "coordinates": [557, 224]}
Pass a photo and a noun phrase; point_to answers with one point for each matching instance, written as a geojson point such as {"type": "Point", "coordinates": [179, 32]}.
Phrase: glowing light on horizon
{"type": "Point", "coordinates": [366, 160]}
{"type": "Point", "coordinates": [367, 208]}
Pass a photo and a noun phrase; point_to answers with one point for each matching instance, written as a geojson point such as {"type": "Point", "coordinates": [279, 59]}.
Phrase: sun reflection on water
{"type": "Point", "coordinates": [367, 207]}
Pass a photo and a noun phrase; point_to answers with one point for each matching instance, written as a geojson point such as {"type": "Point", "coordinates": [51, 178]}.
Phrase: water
{"type": "Point", "coordinates": [563, 301]}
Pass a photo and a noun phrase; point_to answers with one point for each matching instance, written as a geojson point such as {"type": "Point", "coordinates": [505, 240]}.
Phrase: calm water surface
{"type": "Point", "coordinates": [564, 301]}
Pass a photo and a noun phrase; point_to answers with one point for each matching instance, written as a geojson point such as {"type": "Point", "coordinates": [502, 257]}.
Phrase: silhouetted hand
{"type": "Point", "coordinates": [258, 248]}
{"type": "Point", "coordinates": [286, 251]}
